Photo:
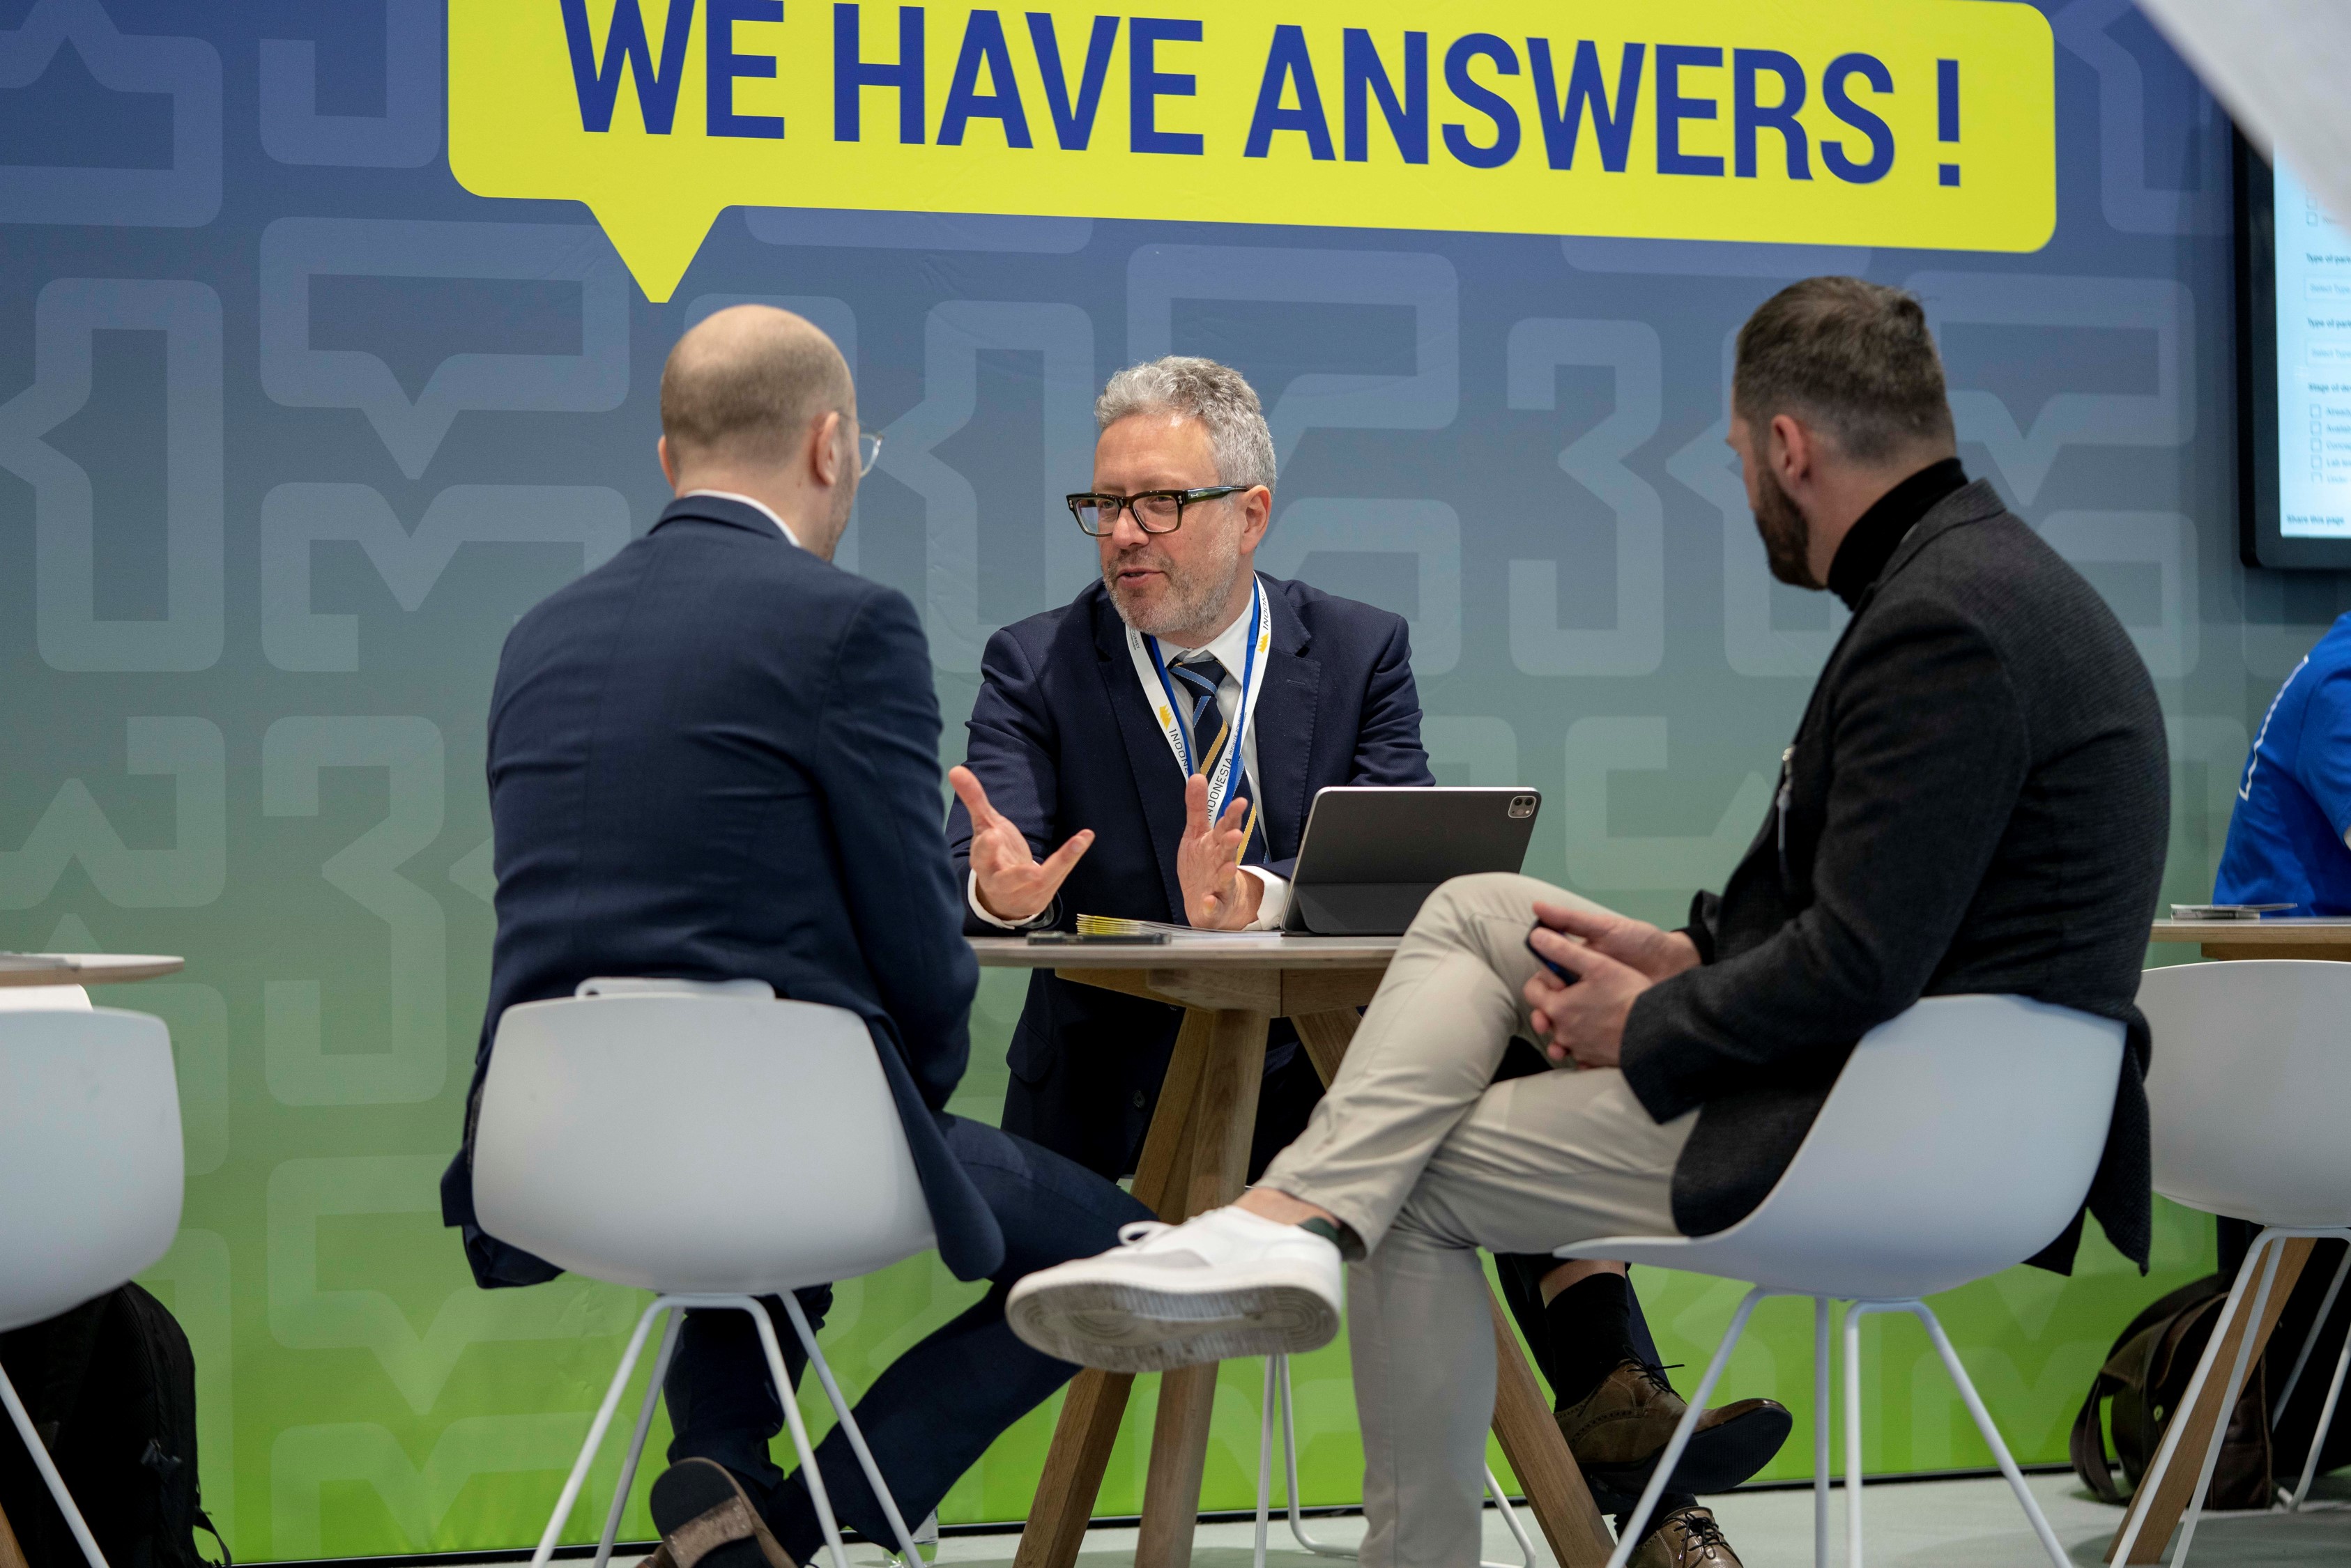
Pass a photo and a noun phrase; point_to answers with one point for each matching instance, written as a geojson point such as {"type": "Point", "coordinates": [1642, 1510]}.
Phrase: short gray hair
{"type": "Point", "coordinates": [1217, 395]}
{"type": "Point", "coordinates": [1855, 359]}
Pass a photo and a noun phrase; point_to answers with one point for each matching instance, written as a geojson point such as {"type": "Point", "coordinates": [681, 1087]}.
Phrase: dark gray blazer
{"type": "Point", "coordinates": [1979, 799]}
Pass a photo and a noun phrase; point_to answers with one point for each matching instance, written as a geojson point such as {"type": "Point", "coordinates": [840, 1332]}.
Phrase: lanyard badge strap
{"type": "Point", "coordinates": [1159, 691]}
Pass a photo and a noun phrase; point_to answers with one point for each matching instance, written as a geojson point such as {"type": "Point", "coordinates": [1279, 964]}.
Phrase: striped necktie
{"type": "Point", "coordinates": [1198, 676]}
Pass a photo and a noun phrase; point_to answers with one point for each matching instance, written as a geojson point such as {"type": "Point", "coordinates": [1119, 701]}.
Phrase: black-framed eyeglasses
{"type": "Point", "coordinates": [1156, 511]}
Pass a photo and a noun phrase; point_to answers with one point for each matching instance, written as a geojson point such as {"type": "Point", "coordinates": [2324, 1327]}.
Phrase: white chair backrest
{"type": "Point", "coordinates": [2246, 1092]}
{"type": "Point", "coordinates": [43, 998]}
{"type": "Point", "coordinates": [695, 1142]}
{"type": "Point", "coordinates": [90, 1169]}
{"type": "Point", "coordinates": [618, 985]}
{"type": "Point", "coordinates": [1960, 1139]}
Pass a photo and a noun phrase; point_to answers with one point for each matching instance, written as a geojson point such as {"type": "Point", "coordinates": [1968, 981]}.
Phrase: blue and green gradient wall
{"type": "Point", "coordinates": [292, 428]}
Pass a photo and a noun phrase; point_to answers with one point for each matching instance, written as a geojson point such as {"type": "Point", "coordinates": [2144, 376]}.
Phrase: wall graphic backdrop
{"type": "Point", "coordinates": [292, 428]}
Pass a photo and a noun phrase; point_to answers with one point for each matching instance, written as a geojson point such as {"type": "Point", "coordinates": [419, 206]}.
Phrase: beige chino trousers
{"type": "Point", "coordinates": [1429, 1159]}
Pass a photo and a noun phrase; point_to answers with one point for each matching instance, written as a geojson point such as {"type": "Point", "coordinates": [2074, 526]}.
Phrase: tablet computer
{"type": "Point", "coordinates": [1372, 854]}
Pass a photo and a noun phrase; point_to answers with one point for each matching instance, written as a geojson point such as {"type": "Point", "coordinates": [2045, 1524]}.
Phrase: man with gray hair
{"type": "Point", "coordinates": [1077, 798]}
{"type": "Point", "coordinates": [1150, 751]}
{"type": "Point", "coordinates": [1975, 801]}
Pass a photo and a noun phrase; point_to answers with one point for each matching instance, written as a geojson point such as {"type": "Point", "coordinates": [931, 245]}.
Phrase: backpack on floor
{"type": "Point", "coordinates": [2145, 1376]}
{"type": "Point", "coordinates": [111, 1387]}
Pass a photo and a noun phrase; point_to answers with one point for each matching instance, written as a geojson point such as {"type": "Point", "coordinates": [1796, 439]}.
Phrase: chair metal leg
{"type": "Point", "coordinates": [2221, 1426]}
{"type": "Point", "coordinates": [1290, 1471]}
{"type": "Point", "coordinates": [2167, 1452]}
{"type": "Point", "coordinates": [47, 1467]}
{"type": "Point", "coordinates": [2325, 1420]}
{"type": "Point", "coordinates": [1670, 1460]}
{"type": "Point", "coordinates": [1853, 1313]}
{"type": "Point", "coordinates": [637, 1442]}
{"type": "Point", "coordinates": [1273, 1369]}
{"type": "Point", "coordinates": [1509, 1523]}
{"type": "Point", "coordinates": [2310, 1341]}
{"type": "Point", "coordinates": [855, 1434]}
{"type": "Point", "coordinates": [789, 1400]}
{"type": "Point", "coordinates": [1821, 1417]}
{"type": "Point", "coordinates": [596, 1429]}
{"type": "Point", "coordinates": [1975, 1405]}
{"type": "Point", "coordinates": [1277, 1387]}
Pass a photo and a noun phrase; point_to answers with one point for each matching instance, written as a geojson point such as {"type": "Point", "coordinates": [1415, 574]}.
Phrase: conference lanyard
{"type": "Point", "coordinates": [1159, 691]}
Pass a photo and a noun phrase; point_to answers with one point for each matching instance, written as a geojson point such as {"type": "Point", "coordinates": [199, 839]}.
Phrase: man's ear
{"type": "Point", "coordinates": [824, 449]}
{"type": "Point", "coordinates": [1257, 516]}
{"type": "Point", "coordinates": [1790, 451]}
{"type": "Point", "coordinates": [668, 468]}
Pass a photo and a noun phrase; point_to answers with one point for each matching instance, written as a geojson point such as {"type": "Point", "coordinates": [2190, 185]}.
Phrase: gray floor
{"type": "Point", "coordinates": [1946, 1524]}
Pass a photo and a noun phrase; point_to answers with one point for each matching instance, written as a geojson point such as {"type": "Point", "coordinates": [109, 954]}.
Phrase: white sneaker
{"type": "Point", "coordinates": [1220, 1286]}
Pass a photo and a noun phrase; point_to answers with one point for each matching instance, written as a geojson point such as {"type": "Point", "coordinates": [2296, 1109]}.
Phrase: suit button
{"type": "Point", "coordinates": [1141, 1099]}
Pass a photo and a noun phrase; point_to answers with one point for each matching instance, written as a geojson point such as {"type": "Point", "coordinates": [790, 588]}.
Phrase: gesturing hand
{"type": "Point", "coordinates": [1217, 896]}
{"type": "Point", "coordinates": [1013, 884]}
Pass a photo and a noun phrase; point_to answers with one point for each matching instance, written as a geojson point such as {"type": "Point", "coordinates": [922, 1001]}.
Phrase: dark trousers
{"type": "Point", "coordinates": [937, 1407]}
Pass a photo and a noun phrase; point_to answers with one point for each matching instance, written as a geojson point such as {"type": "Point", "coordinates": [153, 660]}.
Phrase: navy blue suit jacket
{"type": "Point", "coordinates": [717, 756]}
{"type": "Point", "coordinates": [1062, 739]}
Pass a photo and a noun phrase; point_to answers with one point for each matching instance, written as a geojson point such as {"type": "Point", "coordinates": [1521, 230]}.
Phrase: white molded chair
{"type": "Point", "coordinates": [91, 1173]}
{"type": "Point", "coordinates": [713, 1145]}
{"type": "Point", "coordinates": [1959, 1140]}
{"type": "Point", "coordinates": [2251, 1070]}
{"type": "Point", "coordinates": [43, 1000]}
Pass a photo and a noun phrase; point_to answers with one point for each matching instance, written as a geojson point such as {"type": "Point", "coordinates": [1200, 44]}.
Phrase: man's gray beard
{"type": "Point", "coordinates": [1190, 604]}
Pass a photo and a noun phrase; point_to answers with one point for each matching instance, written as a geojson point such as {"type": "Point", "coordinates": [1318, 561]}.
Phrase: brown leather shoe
{"type": "Point", "coordinates": [1618, 1431]}
{"type": "Point", "coordinates": [1685, 1538]}
{"type": "Point", "coordinates": [705, 1519]}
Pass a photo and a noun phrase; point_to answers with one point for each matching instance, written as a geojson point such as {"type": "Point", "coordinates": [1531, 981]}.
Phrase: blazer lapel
{"type": "Point", "coordinates": [1157, 784]}
{"type": "Point", "coordinates": [1285, 726]}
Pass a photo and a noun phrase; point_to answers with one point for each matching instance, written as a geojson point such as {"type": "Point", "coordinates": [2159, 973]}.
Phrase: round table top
{"type": "Point", "coordinates": [1205, 950]}
{"type": "Point", "coordinates": [83, 968]}
{"type": "Point", "coordinates": [2300, 931]}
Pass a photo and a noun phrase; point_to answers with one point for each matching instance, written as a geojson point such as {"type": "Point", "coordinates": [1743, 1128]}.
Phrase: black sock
{"type": "Point", "coordinates": [1591, 1325]}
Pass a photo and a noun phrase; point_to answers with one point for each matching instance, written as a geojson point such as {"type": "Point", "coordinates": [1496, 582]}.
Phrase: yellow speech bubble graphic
{"type": "Point", "coordinates": [1923, 123]}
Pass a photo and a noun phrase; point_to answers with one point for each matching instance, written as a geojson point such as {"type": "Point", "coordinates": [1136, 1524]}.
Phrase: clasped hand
{"type": "Point", "coordinates": [1615, 959]}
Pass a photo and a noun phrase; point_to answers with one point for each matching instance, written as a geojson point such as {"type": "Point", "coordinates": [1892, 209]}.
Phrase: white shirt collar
{"type": "Point", "coordinates": [759, 507]}
{"type": "Point", "coordinates": [1230, 645]}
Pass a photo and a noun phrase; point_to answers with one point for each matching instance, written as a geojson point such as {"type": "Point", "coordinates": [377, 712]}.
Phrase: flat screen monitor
{"type": "Point", "coordinates": [2294, 272]}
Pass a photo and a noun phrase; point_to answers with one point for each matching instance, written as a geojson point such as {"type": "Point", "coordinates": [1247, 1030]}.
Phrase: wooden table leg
{"type": "Point", "coordinates": [1096, 1401]}
{"type": "Point", "coordinates": [1539, 1456]}
{"type": "Point", "coordinates": [2165, 1504]}
{"type": "Point", "coordinates": [11, 1554]}
{"type": "Point", "coordinates": [1522, 1421]}
{"type": "Point", "coordinates": [1223, 1117]}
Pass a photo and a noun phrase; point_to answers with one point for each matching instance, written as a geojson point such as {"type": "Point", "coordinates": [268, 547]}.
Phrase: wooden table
{"type": "Point", "coordinates": [1195, 1158]}
{"type": "Point", "coordinates": [2164, 1505]}
{"type": "Point", "coordinates": [83, 968]}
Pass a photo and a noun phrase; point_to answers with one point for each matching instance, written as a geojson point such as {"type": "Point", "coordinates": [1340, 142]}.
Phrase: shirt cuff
{"type": "Point", "coordinates": [1273, 904]}
{"type": "Point", "coordinates": [971, 893]}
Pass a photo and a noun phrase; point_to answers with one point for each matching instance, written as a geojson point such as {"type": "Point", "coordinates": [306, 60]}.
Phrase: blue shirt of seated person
{"type": "Point", "coordinates": [2290, 836]}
